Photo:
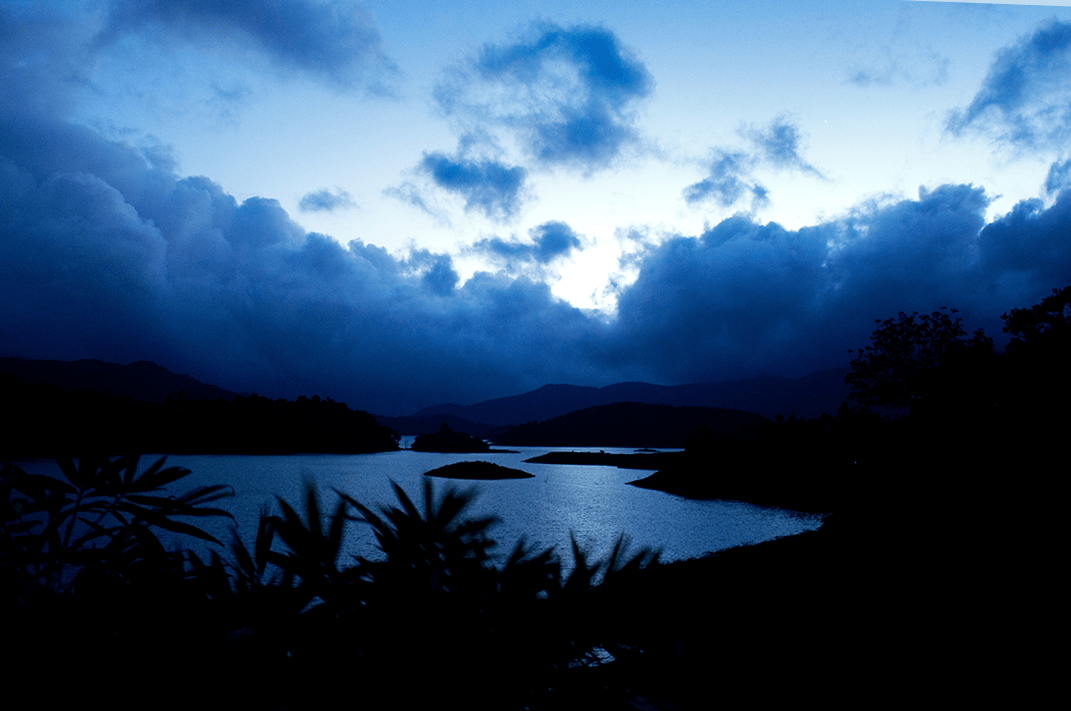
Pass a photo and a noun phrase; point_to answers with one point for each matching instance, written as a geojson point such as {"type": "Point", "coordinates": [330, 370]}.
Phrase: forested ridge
{"type": "Point", "coordinates": [50, 421]}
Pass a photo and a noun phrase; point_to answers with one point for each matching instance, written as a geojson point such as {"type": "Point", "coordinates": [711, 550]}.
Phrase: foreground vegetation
{"type": "Point", "coordinates": [97, 599]}
{"type": "Point", "coordinates": [899, 594]}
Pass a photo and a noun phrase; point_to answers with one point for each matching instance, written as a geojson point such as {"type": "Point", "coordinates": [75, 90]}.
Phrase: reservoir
{"type": "Point", "coordinates": [594, 503]}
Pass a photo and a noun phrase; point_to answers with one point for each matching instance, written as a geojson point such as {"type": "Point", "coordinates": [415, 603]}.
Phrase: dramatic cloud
{"type": "Point", "coordinates": [110, 257]}
{"type": "Point", "coordinates": [730, 177]}
{"type": "Point", "coordinates": [494, 189]}
{"type": "Point", "coordinates": [109, 254]}
{"type": "Point", "coordinates": [746, 298]}
{"type": "Point", "coordinates": [334, 41]}
{"type": "Point", "coordinates": [568, 94]}
{"type": "Point", "coordinates": [1026, 98]}
{"type": "Point", "coordinates": [1030, 246]}
{"type": "Point", "coordinates": [326, 201]}
{"type": "Point", "coordinates": [551, 241]}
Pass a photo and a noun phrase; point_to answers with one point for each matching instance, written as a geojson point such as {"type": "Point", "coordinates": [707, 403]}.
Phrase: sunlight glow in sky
{"type": "Point", "coordinates": [482, 149]}
{"type": "Point", "coordinates": [864, 87]}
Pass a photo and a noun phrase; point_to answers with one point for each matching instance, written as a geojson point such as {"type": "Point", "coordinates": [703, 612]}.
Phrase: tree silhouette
{"type": "Point", "coordinates": [1044, 327]}
{"type": "Point", "coordinates": [1038, 380]}
{"type": "Point", "coordinates": [898, 370]}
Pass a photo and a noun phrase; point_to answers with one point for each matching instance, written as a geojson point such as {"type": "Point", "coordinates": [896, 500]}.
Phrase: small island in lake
{"type": "Point", "coordinates": [446, 440]}
{"type": "Point", "coordinates": [478, 470]}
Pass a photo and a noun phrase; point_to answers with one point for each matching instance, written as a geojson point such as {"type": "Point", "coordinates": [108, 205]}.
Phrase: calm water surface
{"type": "Point", "coordinates": [593, 502]}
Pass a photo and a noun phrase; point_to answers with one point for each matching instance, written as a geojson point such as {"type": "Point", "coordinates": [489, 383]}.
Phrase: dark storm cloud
{"type": "Point", "coordinates": [1030, 245]}
{"type": "Point", "coordinates": [325, 200]}
{"type": "Point", "coordinates": [111, 255]}
{"type": "Point", "coordinates": [493, 188]}
{"type": "Point", "coordinates": [1025, 98]}
{"type": "Point", "coordinates": [550, 241]}
{"type": "Point", "coordinates": [335, 41]}
{"type": "Point", "coordinates": [730, 176]}
{"type": "Point", "coordinates": [436, 271]}
{"type": "Point", "coordinates": [746, 298]}
{"type": "Point", "coordinates": [568, 94]}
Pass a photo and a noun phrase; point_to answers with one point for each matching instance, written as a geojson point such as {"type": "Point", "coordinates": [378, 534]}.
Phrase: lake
{"type": "Point", "coordinates": [595, 503]}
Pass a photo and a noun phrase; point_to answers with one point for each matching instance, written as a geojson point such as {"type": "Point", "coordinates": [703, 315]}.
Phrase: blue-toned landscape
{"type": "Point", "coordinates": [533, 355]}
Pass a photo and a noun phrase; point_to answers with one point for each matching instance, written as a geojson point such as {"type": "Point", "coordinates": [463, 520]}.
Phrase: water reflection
{"type": "Point", "coordinates": [594, 502]}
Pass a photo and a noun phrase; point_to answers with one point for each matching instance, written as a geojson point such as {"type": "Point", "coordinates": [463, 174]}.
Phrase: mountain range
{"type": "Point", "coordinates": [807, 397]}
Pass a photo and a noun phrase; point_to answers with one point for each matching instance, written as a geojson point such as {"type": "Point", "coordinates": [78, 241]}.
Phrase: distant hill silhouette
{"type": "Point", "coordinates": [142, 381]}
{"type": "Point", "coordinates": [79, 407]}
{"type": "Point", "coordinates": [809, 396]}
{"type": "Point", "coordinates": [630, 424]}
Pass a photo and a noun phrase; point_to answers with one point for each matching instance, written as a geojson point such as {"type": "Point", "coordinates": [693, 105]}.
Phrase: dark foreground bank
{"type": "Point", "coordinates": [894, 597]}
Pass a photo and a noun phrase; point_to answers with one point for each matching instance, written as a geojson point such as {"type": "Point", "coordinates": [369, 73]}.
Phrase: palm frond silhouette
{"type": "Point", "coordinates": [103, 515]}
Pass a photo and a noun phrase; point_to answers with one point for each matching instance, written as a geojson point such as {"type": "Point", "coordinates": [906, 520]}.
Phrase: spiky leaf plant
{"type": "Point", "coordinates": [433, 552]}
{"type": "Point", "coordinates": [102, 516]}
{"type": "Point", "coordinates": [102, 602]}
{"type": "Point", "coordinates": [312, 548]}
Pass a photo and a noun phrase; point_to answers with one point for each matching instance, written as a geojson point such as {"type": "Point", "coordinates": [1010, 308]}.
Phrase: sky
{"type": "Point", "coordinates": [399, 203]}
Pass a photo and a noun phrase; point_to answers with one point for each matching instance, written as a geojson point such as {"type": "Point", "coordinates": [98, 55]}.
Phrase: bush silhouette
{"type": "Point", "coordinates": [83, 562]}
{"type": "Point", "coordinates": [99, 520]}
